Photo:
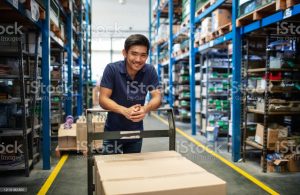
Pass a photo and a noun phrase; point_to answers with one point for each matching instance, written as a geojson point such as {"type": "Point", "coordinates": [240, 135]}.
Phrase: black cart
{"type": "Point", "coordinates": [91, 135]}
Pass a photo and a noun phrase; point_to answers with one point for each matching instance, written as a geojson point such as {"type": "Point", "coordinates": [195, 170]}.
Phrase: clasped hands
{"type": "Point", "coordinates": [135, 113]}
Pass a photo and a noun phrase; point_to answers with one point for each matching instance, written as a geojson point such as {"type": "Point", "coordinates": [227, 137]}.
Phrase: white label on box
{"type": "Point", "coordinates": [287, 13]}
{"type": "Point", "coordinates": [257, 139]}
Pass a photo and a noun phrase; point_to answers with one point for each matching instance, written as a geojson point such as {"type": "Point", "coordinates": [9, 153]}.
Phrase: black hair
{"type": "Point", "coordinates": [136, 39]}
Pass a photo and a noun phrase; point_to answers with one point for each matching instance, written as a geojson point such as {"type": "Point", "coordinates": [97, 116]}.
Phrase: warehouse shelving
{"type": "Point", "coordinates": [58, 83]}
{"type": "Point", "coordinates": [267, 94]}
{"type": "Point", "coordinates": [20, 70]}
{"type": "Point", "coordinates": [285, 11]}
{"type": "Point", "coordinates": [215, 91]}
{"type": "Point", "coordinates": [51, 32]}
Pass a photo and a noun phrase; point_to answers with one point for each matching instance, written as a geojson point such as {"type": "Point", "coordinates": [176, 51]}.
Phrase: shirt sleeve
{"type": "Point", "coordinates": [154, 83]}
{"type": "Point", "coordinates": [108, 77]}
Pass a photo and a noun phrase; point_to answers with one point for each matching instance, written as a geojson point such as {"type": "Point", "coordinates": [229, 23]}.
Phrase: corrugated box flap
{"type": "Point", "coordinates": [67, 132]}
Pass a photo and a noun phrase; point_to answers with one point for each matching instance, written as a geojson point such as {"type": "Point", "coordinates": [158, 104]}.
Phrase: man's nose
{"type": "Point", "coordinates": [138, 58]}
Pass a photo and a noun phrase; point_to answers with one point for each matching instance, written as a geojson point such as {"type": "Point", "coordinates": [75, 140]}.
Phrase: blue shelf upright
{"type": "Point", "coordinates": [69, 63]}
{"type": "Point", "coordinates": [170, 45]}
{"type": "Point", "coordinates": [192, 67]}
{"type": "Point", "coordinates": [236, 85]}
{"type": "Point", "coordinates": [46, 107]}
{"type": "Point", "coordinates": [158, 46]}
{"type": "Point", "coordinates": [80, 63]}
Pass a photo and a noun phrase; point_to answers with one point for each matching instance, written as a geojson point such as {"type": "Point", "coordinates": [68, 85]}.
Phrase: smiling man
{"type": "Point", "coordinates": [123, 89]}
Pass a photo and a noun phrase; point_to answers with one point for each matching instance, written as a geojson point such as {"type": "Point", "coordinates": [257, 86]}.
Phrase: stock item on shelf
{"type": "Point", "coordinates": [247, 6]}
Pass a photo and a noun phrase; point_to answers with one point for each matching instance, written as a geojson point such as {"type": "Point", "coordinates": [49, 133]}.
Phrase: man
{"type": "Point", "coordinates": [123, 89]}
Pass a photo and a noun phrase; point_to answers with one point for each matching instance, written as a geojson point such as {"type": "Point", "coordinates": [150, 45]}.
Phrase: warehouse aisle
{"type": "Point", "coordinates": [73, 177]}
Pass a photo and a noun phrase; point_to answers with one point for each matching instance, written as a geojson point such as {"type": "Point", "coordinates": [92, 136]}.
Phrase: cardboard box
{"type": "Point", "coordinates": [275, 132]}
{"type": "Point", "coordinates": [206, 27]}
{"type": "Point", "coordinates": [99, 123]}
{"type": "Point", "coordinates": [81, 131]}
{"type": "Point", "coordinates": [278, 165]}
{"type": "Point", "coordinates": [192, 184]}
{"type": "Point", "coordinates": [293, 164]}
{"type": "Point", "coordinates": [67, 137]}
{"type": "Point", "coordinates": [220, 17]}
{"type": "Point", "coordinates": [198, 119]}
{"type": "Point", "coordinates": [203, 125]}
{"type": "Point", "coordinates": [272, 136]}
{"type": "Point", "coordinates": [164, 172]}
{"type": "Point", "coordinates": [137, 156]}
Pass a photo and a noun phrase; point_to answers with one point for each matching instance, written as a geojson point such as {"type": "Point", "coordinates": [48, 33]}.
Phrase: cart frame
{"type": "Point", "coordinates": [91, 135]}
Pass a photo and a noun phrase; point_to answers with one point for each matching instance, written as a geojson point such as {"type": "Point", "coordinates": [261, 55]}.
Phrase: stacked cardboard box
{"type": "Point", "coordinates": [98, 124]}
{"type": "Point", "coordinates": [274, 133]}
{"type": "Point", "coordinates": [67, 137]}
{"type": "Point", "coordinates": [161, 173]}
{"type": "Point", "coordinates": [220, 17]}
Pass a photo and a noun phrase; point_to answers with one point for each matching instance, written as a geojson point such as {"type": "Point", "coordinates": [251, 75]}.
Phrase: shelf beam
{"type": "Point", "coordinates": [215, 42]}
{"type": "Point", "coordinates": [272, 19]}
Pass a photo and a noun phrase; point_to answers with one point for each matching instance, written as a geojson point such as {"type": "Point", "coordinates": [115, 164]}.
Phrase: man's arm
{"type": "Point", "coordinates": [155, 101]}
{"type": "Point", "coordinates": [108, 104]}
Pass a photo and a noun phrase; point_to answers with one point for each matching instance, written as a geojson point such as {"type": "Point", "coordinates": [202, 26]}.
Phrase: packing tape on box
{"type": "Point", "coordinates": [157, 176]}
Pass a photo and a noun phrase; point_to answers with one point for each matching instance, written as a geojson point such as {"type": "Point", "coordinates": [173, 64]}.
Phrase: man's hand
{"type": "Point", "coordinates": [128, 112]}
{"type": "Point", "coordinates": [139, 114]}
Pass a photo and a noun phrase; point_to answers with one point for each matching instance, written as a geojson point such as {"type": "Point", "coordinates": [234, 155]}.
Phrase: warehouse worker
{"type": "Point", "coordinates": [123, 89]}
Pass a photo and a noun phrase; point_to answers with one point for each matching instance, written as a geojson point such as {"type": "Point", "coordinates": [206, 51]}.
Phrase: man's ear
{"type": "Point", "coordinates": [124, 53]}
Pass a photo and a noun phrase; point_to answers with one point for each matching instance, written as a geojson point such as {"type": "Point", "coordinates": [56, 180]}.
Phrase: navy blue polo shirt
{"type": "Point", "coordinates": [127, 92]}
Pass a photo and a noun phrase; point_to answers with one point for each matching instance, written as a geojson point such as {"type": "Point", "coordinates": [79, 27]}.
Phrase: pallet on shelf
{"type": "Point", "coordinates": [222, 30]}
{"type": "Point", "coordinates": [205, 6]}
{"type": "Point", "coordinates": [264, 11]}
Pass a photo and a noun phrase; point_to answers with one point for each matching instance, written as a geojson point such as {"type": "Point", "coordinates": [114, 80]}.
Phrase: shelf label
{"type": "Point", "coordinates": [15, 3]}
{"type": "Point", "coordinates": [211, 44]}
{"type": "Point", "coordinates": [287, 13]}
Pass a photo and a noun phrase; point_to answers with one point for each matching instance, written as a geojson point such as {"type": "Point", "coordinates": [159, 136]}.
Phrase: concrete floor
{"type": "Point", "coordinates": [72, 179]}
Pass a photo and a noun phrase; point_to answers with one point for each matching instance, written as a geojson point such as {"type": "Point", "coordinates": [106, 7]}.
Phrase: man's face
{"type": "Point", "coordinates": [136, 57]}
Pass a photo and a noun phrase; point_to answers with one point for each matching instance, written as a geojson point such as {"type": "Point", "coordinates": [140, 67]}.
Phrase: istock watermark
{"type": "Point", "coordinates": [13, 29]}
{"type": "Point", "coordinates": [288, 30]}
{"type": "Point", "coordinates": [11, 148]}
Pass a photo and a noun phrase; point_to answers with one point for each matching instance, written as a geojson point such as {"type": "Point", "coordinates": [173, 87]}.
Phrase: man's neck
{"type": "Point", "coordinates": [131, 72]}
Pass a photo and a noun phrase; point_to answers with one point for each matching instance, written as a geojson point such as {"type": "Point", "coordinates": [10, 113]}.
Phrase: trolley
{"type": "Point", "coordinates": [122, 134]}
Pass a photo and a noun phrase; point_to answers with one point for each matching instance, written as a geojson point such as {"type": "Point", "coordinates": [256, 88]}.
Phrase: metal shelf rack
{"type": "Point", "coordinates": [50, 36]}
{"type": "Point", "coordinates": [235, 35]}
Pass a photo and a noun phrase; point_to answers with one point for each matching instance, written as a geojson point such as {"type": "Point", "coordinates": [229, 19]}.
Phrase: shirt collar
{"type": "Point", "coordinates": [123, 68]}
